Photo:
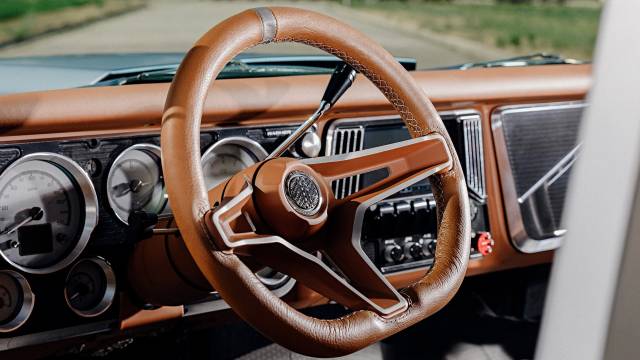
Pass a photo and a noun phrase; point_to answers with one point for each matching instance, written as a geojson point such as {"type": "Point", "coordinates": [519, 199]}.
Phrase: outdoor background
{"type": "Point", "coordinates": [436, 33]}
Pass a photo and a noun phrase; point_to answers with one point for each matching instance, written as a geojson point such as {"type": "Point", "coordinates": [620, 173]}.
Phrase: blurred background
{"type": "Point", "coordinates": [435, 33]}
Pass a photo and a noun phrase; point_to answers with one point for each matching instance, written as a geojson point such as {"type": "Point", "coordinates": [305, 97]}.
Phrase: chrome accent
{"type": "Point", "coordinates": [167, 231]}
{"type": "Point", "coordinates": [269, 24]}
{"type": "Point", "coordinates": [79, 177]}
{"type": "Point", "coordinates": [217, 305]}
{"type": "Point", "coordinates": [375, 150]}
{"type": "Point", "coordinates": [473, 143]}
{"type": "Point", "coordinates": [253, 147]}
{"type": "Point", "coordinates": [474, 153]}
{"type": "Point", "coordinates": [552, 175]}
{"type": "Point", "coordinates": [109, 292]}
{"type": "Point", "coordinates": [311, 144]}
{"type": "Point", "coordinates": [302, 129]}
{"type": "Point", "coordinates": [519, 237]}
{"type": "Point", "coordinates": [28, 301]}
{"type": "Point", "coordinates": [345, 140]}
{"type": "Point", "coordinates": [302, 193]}
{"type": "Point", "coordinates": [150, 148]}
{"type": "Point", "coordinates": [67, 333]}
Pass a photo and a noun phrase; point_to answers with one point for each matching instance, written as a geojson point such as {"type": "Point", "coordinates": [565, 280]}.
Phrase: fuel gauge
{"type": "Point", "coordinates": [90, 287]}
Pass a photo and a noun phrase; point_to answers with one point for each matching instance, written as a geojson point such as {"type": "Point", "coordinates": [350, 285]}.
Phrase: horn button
{"type": "Point", "coordinates": [302, 192]}
{"type": "Point", "coordinates": [291, 198]}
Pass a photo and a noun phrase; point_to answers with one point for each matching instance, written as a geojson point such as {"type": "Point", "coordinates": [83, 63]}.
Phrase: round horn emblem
{"type": "Point", "coordinates": [302, 193]}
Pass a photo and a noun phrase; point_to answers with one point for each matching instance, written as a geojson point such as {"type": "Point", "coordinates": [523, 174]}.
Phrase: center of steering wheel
{"type": "Point", "coordinates": [303, 193]}
{"type": "Point", "coordinates": [291, 198]}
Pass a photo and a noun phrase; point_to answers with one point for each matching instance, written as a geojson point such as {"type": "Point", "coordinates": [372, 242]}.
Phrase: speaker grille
{"type": "Point", "coordinates": [541, 146]}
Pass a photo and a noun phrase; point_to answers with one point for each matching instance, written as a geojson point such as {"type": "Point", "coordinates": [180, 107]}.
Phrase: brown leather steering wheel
{"type": "Point", "coordinates": [281, 211]}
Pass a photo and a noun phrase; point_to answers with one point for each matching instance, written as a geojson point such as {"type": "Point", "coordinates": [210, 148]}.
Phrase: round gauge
{"type": "Point", "coordinates": [48, 209]}
{"type": "Point", "coordinates": [90, 287]}
{"type": "Point", "coordinates": [16, 300]}
{"type": "Point", "coordinates": [135, 182]}
{"type": "Point", "coordinates": [227, 157]}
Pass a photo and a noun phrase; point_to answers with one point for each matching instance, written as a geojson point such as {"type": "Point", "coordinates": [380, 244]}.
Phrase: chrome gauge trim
{"type": "Point", "coordinates": [28, 302]}
{"type": "Point", "coordinates": [253, 147]}
{"type": "Point", "coordinates": [150, 148]}
{"type": "Point", "coordinates": [81, 179]}
{"type": "Point", "coordinates": [109, 293]}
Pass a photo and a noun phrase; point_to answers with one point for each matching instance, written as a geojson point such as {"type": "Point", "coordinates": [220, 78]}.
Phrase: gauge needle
{"type": "Point", "coordinates": [35, 213]}
{"type": "Point", "coordinates": [132, 186]}
{"type": "Point", "coordinates": [74, 296]}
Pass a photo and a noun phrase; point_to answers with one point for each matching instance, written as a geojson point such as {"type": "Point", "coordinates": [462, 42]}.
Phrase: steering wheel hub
{"type": "Point", "coordinates": [302, 193]}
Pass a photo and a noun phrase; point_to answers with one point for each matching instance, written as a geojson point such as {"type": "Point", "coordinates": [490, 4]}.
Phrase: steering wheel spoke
{"type": "Point", "coordinates": [233, 230]}
{"type": "Point", "coordinates": [390, 164]}
{"type": "Point", "coordinates": [363, 275]}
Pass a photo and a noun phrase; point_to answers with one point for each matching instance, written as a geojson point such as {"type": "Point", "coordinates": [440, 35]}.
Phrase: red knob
{"type": "Point", "coordinates": [485, 243]}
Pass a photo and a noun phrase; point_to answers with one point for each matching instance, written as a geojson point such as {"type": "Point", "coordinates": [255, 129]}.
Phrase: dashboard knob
{"type": "Point", "coordinates": [310, 145]}
{"type": "Point", "coordinates": [414, 250]}
{"type": "Point", "coordinates": [393, 253]}
{"type": "Point", "coordinates": [484, 243]}
{"type": "Point", "coordinates": [429, 246]}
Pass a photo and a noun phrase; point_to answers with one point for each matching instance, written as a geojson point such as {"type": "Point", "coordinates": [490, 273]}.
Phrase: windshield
{"type": "Point", "coordinates": [154, 34]}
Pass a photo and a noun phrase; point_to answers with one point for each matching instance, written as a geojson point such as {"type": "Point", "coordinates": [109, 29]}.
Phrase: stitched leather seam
{"type": "Point", "coordinates": [395, 100]}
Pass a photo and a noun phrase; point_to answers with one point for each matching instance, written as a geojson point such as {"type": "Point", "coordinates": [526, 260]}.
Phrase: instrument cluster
{"type": "Point", "coordinates": [65, 209]}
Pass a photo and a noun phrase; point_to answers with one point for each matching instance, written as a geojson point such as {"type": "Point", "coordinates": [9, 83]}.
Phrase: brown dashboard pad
{"type": "Point", "coordinates": [212, 239]}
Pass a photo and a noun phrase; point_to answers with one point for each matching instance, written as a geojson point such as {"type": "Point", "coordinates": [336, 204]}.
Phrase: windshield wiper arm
{"type": "Point", "coordinates": [234, 69]}
{"type": "Point", "coordinates": [525, 60]}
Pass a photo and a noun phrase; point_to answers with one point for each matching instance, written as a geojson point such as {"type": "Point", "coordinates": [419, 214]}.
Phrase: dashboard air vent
{"type": "Point", "coordinates": [473, 154]}
{"type": "Point", "coordinates": [346, 140]}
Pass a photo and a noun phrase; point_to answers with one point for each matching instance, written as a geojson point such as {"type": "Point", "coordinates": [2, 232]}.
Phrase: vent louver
{"type": "Point", "coordinates": [346, 140]}
{"type": "Point", "coordinates": [473, 153]}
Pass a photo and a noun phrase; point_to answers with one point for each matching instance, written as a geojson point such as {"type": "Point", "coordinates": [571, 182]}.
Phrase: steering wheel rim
{"type": "Point", "coordinates": [206, 228]}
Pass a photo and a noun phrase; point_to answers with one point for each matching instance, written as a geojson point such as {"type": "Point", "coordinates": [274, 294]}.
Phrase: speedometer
{"type": "Point", "coordinates": [135, 182]}
{"type": "Point", "coordinates": [227, 157]}
{"type": "Point", "coordinates": [48, 209]}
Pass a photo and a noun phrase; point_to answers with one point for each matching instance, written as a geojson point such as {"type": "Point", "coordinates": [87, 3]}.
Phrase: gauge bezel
{"type": "Point", "coordinates": [83, 183]}
{"type": "Point", "coordinates": [28, 302]}
{"type": "Point", "coordinates": [109, 292]}
{"type": "Point", "coordinates": [150, 148]}
{"type": "Point", "coordinates": [252, 147]}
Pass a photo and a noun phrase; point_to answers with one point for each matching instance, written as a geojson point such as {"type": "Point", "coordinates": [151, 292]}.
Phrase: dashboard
{"type": "Point", "coordinates": [82, 197]}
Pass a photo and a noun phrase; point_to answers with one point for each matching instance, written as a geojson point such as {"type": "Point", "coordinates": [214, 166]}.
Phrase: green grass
{"type": "Point", "coordinates": [11, 9]}
{"type": "Point", "coordinates": [568, 30]}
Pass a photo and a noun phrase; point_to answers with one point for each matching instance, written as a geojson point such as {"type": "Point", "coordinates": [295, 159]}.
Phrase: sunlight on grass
{"type": "Point", "coordinates": [570, 31]}
{"type": "Point", "coordinates": [10, 9]}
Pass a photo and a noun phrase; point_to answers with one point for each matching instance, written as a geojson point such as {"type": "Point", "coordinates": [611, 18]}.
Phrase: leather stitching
{"type": "Point", "coordinates": [395, 100]}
